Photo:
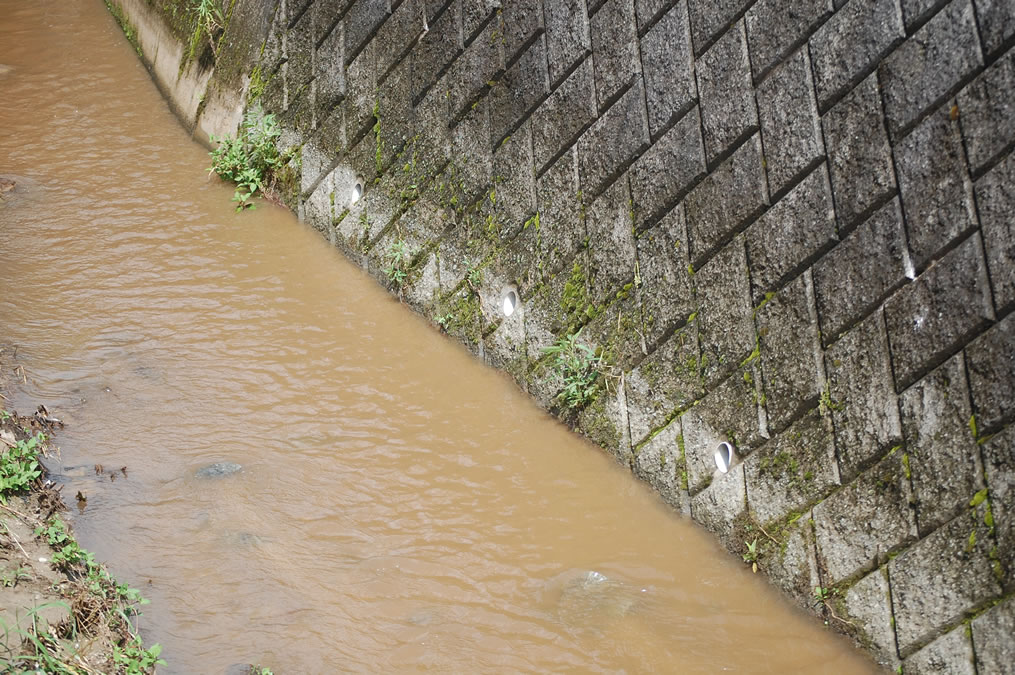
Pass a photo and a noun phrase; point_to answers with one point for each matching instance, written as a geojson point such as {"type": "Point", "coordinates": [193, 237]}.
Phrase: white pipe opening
{"type": "Point", "coordinates": [509, 300]}
{"type": "Point", "coordinates": [724, 455]}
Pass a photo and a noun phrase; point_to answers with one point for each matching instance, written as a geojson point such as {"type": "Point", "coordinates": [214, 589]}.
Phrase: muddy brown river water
{"type": "Point", "coordinates": [400, 507]}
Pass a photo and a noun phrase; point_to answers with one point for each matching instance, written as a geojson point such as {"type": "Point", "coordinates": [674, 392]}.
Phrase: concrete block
{"type": "Point", "coordinates": [397, 35]}
{"type": "Point", "coordinates": [793, 567]}
{"type": "Point", "coordinates": [798, 229]}
{"type": "Point", "coordinates": [666, 296]}
{"type": "Point", "coordinates": [648, 12]}
{"type": "Point", "coordinates": [916, 12]}
{"type": "Point", "coordinates": [329, 77]}
{"type": "Point", "coordinates": [471, 73]}
{"type": "Point", "coordinates": [667, 380]}
{"type": "Point", "coordinates": [936, 190]}
{"type": "Point", "coordinates": [717, 507]}
{"type": "Point", "coordinates": [987, 111]}
{"type": "Point", "coordinates": [776, 27]}
{"type": "Point", "coordinates": [434, 142]}
{"type": "Point", "coordinates": [859, 157]}
{"type": "Point", "coordinates": [725, 202]}
{"type": "Point", "coordinates": [435, 50]}
{"type": "Point", "coordinates": [790, 352]}
{"type": "Point", "coordinates": [999, 467]}
{"type": "Point", "coordinates": [867, 605]}
{"type": "Point", "coordinates": [851, 43]}
{"type": "Point", "coordinates": [664, 174]}
{"type": "Point", "coordinates": [397, 124]}
{"type": "Point", "coordinates": [951, 653]}
{"type": "Point", "coordinates": [611, 241]}
{"type": "Point", "coordinates": [560, 213]}
{"type": "Point", "coordinates": [997, 25]}
{"type": "Point", "coordinates": [727, 413]}
{"type": "Point", "coordinates": [858, 526]}
{"type": "Point", "coordinates": [471, 155]}
{"type": "Point", "coordinates": [709, 18]}
{"type": "Point", "coordinates": [728, 110]}
{"type": "Point", "coordinates": [326, 19]}
{"type": "Point", "coordinates": [861, 396]}
{"type": "Point", "coordinates": [930, 65]}
{"type": "Point", "coordinates": [521, 19]}
{"type": "Point", "coordinates": [941, 578]}
{"type": "Point", "coordinates": [300, 52]}
{"type": "Point", "coordinates": [475, 13]}
{"type": "Point", "coordinates": [519, 91]}
{"type": "Point", "coordinates": [668, 67]}
{"type": "Point", "coordinates": [567, 35]}
{"type": "Point", "coordinates": [604, 422]}
{"type": "Point", "coordinates": [660, 463]}
{"type": "Point", "coordinates": [941, 452]}
{"type": "Point", "coordinates": [361, 21]}
{"type": "Point", "coordinates": [939, 312]}
{"type": "Point", "coordinates": [992, 633]}
{"type": "Point", "coordinates": [361, 95]}
{"type": "Point", "coordinates": [614, 49]}
{"type": "Point", "coordinates": [990, 360]}
{"type": "Point", "coordinates": [619, 330]}
{"type": "Point", "coordinates": [725, 321]}
{"type": "Point", "coordinates": [514, 181]}
{"type": "Point", "coordinates": [995, 198]}
{"type": "Point", "coordinates": [562, 117]}
{"type": "Point", "coordinates": [613, 142]}
{"type": "Point", "coordinates": [790, 124]}
{"type": "Point", "coordinates": [792, 471]}
{"type": "Point", "coordinates": [864, 269]}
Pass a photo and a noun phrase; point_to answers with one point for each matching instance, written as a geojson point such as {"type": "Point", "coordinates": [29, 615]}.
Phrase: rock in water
{"type": "Point", "coordinates": [218, 470]}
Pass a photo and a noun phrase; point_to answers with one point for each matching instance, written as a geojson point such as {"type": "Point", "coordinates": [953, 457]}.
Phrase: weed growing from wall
{"type": "Point", "coordinates": [579, 367]}
{"type": "Point", "coordinates": [251, 159]}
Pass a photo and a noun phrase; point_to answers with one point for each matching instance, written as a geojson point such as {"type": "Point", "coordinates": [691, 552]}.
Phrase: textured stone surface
{"type": "Point", "coordinates": [995, 198]}
{"type": "Point", "coordinates": [557, 123]}
{"type": "Point", "coordinates": [937, 193]}
{"type": "Point", "coordinates": [514, 180]}
{"type": "Point", "coordinates": [660, 463]}
{"type": "Point", "coordinates": [790, 125]}
{"type": "Point", "coordinates": [710, 17]}
{"type": "Point", "coordinates": [859, 157]}
{"type": "Point", "coordinates": [850, 44]}
{"type": "Point", "coordinates": [668, 68]}
{"type": "Point", "coordinates": [521, 20]}
{"type": "Point", "coordinates": [362, 19]}
{"type": "Point", "coordinates": [941, 452]}
{"type": "Point", "coordinates": [793, 470]}
{"type": "Point", "coordinates": [990, 360]}
{"type": "Point", "coordinates": [793, 567]}
{"type": "Point", "coordinates": [951, 653]}
{"type": "Point", "coordinates": [936, 581]}
{"type": "Point", "coordinates": [666, 295]}
{"type": "Point", "coordinates": [930, 65]}
{"type": "Point", "coordinates": [999, 467]}
{"type": "Point", "coordinates": [562, 229]}
{"type": "Point", "coordinates": [790, 354]}
{"type": "Point", "coordinates": [775, 27]}
{"type": "Point", "coordinates": [728, 111]}
{"type": "Point", "coordinates": [868, 605]}
{"type": "Point", "coordinates": [470, 74]}
{"type": "Point", "coordinates": [992, 633]}
{"type": "Point", "coordinates": [567, 35]}
{"type": "Point", "coordinates": [791, 234]}
{"type": "Point", "coordinates": [939, 312]}
{"type": "Point", "coordinates": [988, 112]}
{"type": "Point", "coordinates": [614, 49]}
{"type": "Point", "coordinates": [519, 90]}
{"type": "Point", "coordinates": [611, 241]}
{"type": "Point", "coordinates": [997, 24]}
{"type": "Point", "coordinates": [666, 381]}
{"type": "Point", "coordinates": [861, 396]}
{"type": "Point", "coordinates": [726, 201]}
{"type": "Point", "coordinates": [718, 506]}
{"type": "Point", "coordinates": [858, 526]}
{"type": "Point", "coordinates": [613, 142]}
{"type": "Point", "coordinates": [724, 312]}
{"type": "Point", "coordinates": [667, 170]}
{"type": "Point", "coordinates": [435, 50]}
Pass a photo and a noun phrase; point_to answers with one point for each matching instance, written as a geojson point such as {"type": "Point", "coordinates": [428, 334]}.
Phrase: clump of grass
{"type": "Point", "coordinates": [210, 20]}
{"type": "Point", "coordinates": [398, 258]}
{"type": "Point", "coordinates": [251, 159]}
{"type": "Point", "coordinates": [579, 367]}
{"type": "Point", "coordinates": [19, 466]}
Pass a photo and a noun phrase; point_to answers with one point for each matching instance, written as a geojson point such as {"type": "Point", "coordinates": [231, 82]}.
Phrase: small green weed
{"type": "Point", "coordinates": [19, 466]}
{"type": "Point", "coordinates": [251, 159]}
{"type": "Point", "coordinates": [210, 20]}
{"type": "Point", "coordinates": [135, 659]}
{"type": "Point", "coordinates": [398, 257]}
{"type": "Point", "coordinates": [752, 555]}
{"type": "Point", "coordinates": [579, 366]}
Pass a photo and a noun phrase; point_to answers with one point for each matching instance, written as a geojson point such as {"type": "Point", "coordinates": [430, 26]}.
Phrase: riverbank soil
{"type": "Point", "coordinates": [60, 611]}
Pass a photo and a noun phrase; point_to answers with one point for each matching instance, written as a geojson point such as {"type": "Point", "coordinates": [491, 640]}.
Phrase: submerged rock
{"type": "Point", "coordinates": [218, 470]}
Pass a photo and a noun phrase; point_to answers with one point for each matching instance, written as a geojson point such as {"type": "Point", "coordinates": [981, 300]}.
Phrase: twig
{"type": "Point", "coordinates": [11, 535]}
{"type": "Point", "coordinates": [764, 532]}
{"type": "Point", "coordinates": [20, 515]}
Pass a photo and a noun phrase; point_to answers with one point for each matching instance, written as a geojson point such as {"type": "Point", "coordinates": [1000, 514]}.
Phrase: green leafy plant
{"type": "Point", "coordinates": [579, 367]}
{"type": "Point", "coordinates": [752, 554]}
{"type": "Point", "coordinates": [210, 20]}
{"type": "Point", "coordinates": [251, 159]}
{"type": "Point", "coordinates": [19, 466]}
{"type": "Point", "coordinates": [135, 659]}
{"type": "Point", "coordinates": [397, 256]}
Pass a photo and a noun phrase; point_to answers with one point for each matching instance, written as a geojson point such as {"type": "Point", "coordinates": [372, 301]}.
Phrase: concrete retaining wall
{"type": "Point", "coordinates": [784, 224]}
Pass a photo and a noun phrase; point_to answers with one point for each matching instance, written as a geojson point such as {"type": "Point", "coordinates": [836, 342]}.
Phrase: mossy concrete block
{"type": "Point", "coordinates": [518, 92]}
{"type": "Point", "coordinates": [987, 111]}
{"type": "Point", "coordinates": [859, 156]}
{"type": "Point", "coordinates": [718, 506]}
{"type": "Point", "coordinates": [791, 359]}
{"type": "Point", "coordinates": [470, 74]}
{"type": "Point", "coordinates": [567, 36]}
{"type": "Point", "coordinates": [725, 323]}
{"type": "Point", "coordinates": [941, 579]}
{"type": "Point", "coordinates": [849, 45]}
{"type": "Point", "coordinates": [709, 18]}
{"type": "Point", "coordinates": [793, 565]}
{"type": "Point", "coordinates": [326, 19]}
{"type": "Point", "coordinates": [666, 296]}
{"type": "Point", "coordinates": [611, 241]}
{"type": "Point", "coordinates": [604, 422]}
{"type": "Point", "coordinates": [660, 463]}
{"type": "Point", "coordinates": [941, 452]}
{"type": "Point", "coordinates": [942, 310]}
{"type": "Point", "coordinates": [999, 467]}
{"type": "Point", "coordinates": [995, 199]}
{"type": "Point", "coordinates": [299, 49]}
{"type": "Point", "coordinates": [991, 366]}
{"type": "Point", "coordinates": [930, 65]}
{"type": "Point", "coordinates": [775, 27]}
{"type": "Point", "coordinates": [618, 330]}
{"type": "Point", "coordinates": [789, 120]}
{"type": "Point", "coordinates": [936, 190]}
{"type": "Point", "coordinates": [728, 109]}
{"type": "Point", "coordinates": [727, 413]}
{"type": "Point", "coordinates": [514, 181]}
{"type": "Point", "coordinates": [951, 653]}
{"type": "Point", "coordinates": [861, 397]}
{"type": "Point", "coordinates": [435, 50]}
{"type": "Point", "coordinates": [563, 116]}
{"type": "Point", "coordinates": [361, 95]}
{"type": "Point", "coordinates": [668, 380]}
{"type": "Point", "coordinates": [398, 34]}
{"type": "Point", "coordinates": [504, 348]}
{"type": "Point", "coordinates": [861, 524]}
{"type": "Point", "coordinates": [996, 21]}
{"type": "Point", "coordinates": [725, 202]}
{"type": "Point", "coordinates": [613, 142]}
{"type": "Point", "coordinates": [562, 227]}
{"type": "Point", "coordinates": [791, 234]}
{"type": "Point", "coordinates": [867, 604]}
{"type": "Point", "coordinates": [667, 66]}
{"type": "Point", "coordinates": [396, 124]}
{"type": "Point", "coordinates": [792, 471]}
{"type": "Point", "coordinates": [865, 268]}
{"type": "Point", "coordinates": [992, 633]}
{"type": "Point", "coordinates": [317, 208]}
{"type": "Point", "coordinates": [433, 144]}
{"type": "Point", "coordinates": [422, 289]}
{"type": "Point", "coordinates": [667, 170]}
{"type": "Point", "coordinates": [614, 48]}
{"type": "Point", "coordinates": [471, 155]}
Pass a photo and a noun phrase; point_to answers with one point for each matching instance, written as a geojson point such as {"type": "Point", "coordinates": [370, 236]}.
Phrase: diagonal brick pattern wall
{"type": "Point", "coordinates": [789, 224]}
